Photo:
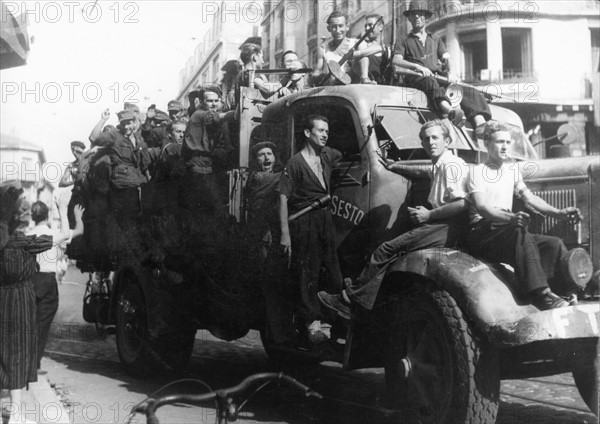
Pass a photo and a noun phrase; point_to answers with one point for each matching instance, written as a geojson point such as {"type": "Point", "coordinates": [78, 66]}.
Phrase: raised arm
{"type": "Point", "coordinates": [97, 130]}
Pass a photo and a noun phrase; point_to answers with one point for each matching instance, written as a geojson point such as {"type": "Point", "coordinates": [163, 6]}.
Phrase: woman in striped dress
{"type": "Point", "coordinates": [18, 326]}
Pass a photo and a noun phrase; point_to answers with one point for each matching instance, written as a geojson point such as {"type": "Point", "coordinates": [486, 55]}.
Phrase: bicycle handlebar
{"type": "Point", "coordinates": [150, 407]}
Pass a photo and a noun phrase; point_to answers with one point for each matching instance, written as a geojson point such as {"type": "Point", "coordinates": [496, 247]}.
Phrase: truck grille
{"type": "Point", "coordinates": [570, 233]}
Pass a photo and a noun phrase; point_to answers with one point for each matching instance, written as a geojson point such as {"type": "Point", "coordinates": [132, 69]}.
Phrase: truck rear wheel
{"type": "Point", "coordinates": [140, 353]}
{"type": "Point", "coordinates": [436, 370]}
{"type": "Point", "coordinates": [586, 380]}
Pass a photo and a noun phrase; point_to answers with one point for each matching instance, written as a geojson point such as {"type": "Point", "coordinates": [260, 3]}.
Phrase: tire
{"type": "Point", "coordinates": [132, 330]}
{"type": "Point", "coordinates": [586, 380]}
{"type": "Point", "coordinates": [141, 354]}
{"type": "Point", "coordinates": [436, 370]}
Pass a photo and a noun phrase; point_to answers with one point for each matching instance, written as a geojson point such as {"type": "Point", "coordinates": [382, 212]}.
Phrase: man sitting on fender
{"type": "Point", "coordinates": [437, 227]}
{"type": "Point", "coordinates": [422, 52]}
{"type": "Point", "coordinates": [499, 235]}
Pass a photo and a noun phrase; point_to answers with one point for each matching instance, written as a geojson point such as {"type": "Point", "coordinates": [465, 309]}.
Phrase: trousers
{"type": "Point", "coordinates": [535, 258]}
{"type": "Point", "coordinates": [46, 298]}
{"type": "Point", "coordinates": [445, 233]}
{"type": "Point", "coordinates": [472, 102]}
{"type": "Point", "coordinates": [313, 246]}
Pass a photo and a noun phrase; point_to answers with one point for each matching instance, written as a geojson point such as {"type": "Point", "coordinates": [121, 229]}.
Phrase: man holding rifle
{"type": "Point", "coordinates": [308, 241]}
{"type": "Point", "coordinates": [421, 56]}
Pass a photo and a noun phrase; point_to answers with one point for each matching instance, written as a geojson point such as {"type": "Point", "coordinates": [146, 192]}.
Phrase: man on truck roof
{"type": "Point", "coordinates": [337, 47]}
{"type": "Point", "coordinates": [424, 53]}
{"type": "Point", "coordinates": [439, 226]}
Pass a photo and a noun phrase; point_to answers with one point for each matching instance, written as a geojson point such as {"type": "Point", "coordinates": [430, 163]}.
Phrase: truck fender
{"type": "Point", "coordinates": [481, 290]}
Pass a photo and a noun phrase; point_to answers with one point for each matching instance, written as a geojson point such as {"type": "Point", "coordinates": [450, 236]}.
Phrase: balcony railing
{"type": "Point", "coordinates": [507, 76]}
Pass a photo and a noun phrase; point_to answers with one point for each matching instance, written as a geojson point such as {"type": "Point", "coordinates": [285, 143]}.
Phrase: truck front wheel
{"type": "Point", "coordinates": [436, 370]}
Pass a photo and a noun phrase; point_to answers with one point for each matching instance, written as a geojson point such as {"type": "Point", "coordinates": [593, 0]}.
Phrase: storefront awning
{"type": "Point", "coordinates": [14, 39]}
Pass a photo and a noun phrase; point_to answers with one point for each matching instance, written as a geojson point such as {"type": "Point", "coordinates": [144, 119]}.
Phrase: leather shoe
{"type": "Point", "coordinates": [336, 303]}
{"type": "Point", "coordinates": [546, 299]}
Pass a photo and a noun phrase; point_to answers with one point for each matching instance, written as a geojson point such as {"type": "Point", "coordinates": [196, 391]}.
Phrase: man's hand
{"type": "Point", "coordinates": [571, 214]}
{"type": "Point", "coordinates": [520, 219]}
{"type": "Point", "coordinates": [425, 71]}
{"type": "Point", "coordinates": [286, 247]}
{"type": "Point", "coordinates": [419, 215]}
{"type": "Point", "coordinates": [78, 211]}
{"type": "Point", "coordinates": [387, 163]}
{"type": "Point", "coordinates": [105, 115]}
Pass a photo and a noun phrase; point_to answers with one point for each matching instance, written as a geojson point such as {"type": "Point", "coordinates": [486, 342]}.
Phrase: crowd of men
{"type": "Point", "coordinates": [200, 144]}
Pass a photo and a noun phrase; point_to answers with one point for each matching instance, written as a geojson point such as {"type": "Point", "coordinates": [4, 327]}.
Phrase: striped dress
{"type": "Point", "coordinates": [18, 326]}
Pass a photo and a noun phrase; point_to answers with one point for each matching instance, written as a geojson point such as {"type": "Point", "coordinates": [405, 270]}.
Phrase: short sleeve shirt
{"type": "Point", "coordinates": [449, 181]}
{"type": "Point", "coordinates": [499, 184]}
{"type": "Point", "coordinates": [47, 260]}
{"type": "Point", "coordinates": [413, 50]}
{"type": "Point", "coordinates": [300, 184]}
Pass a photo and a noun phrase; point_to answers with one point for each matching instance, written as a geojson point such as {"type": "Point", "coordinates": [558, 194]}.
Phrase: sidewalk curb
{"type": "Point", "coordinates": [46, 404]}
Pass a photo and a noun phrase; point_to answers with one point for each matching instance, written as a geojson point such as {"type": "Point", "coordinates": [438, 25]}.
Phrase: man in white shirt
{"type": "Point", "coordinates": [439, 226]}
{"type": "Point", "coordinates": [44, 282]}
{"type": "Point", "coordinates": [500, 235]}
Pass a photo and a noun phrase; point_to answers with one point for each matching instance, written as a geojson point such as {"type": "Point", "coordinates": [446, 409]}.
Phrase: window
{"type": "Point", "coordinates": [516, 52]}
{"type": "Point", "coordinates": [342, 129]}
{"type": "Point", "coordinates": [475, 49]}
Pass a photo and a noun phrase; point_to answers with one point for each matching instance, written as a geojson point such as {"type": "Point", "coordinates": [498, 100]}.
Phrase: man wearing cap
{"type": "Point", "coordinates": [129, 159]}
{"type": "Point", "coordinates": [422, 52]}
{"type": "Point", "coordinates": [154, 130]}
{"type": "Point", "coordinates": [263, 229]}
{"type": "Point", "coordinates": [176, 111]}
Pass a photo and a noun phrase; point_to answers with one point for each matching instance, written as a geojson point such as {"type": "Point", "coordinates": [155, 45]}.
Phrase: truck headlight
{"type": "Point", "coordinates": [577, 267]}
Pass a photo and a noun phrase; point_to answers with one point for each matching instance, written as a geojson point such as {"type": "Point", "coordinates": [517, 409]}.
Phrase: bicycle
{"type": "Point", "coordinates": [227, 409]}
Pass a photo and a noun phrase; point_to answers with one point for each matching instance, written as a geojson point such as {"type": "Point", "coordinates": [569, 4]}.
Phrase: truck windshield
{"type": "Point", "coordinates": [401, 125]}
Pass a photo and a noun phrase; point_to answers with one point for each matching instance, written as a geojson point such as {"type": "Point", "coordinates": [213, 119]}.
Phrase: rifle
{"type": "Point", "coordinates": [335, 68]}
{"type": "Point", "coordinates": [454, 88]}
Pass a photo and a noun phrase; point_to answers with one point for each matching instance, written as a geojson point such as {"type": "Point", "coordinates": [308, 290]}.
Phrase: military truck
{"type": "Point", "coordinates": [446, 327]}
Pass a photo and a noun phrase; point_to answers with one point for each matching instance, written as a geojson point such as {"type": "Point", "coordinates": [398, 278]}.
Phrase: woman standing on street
{"type": "Point", "coordinates": [18, 327]}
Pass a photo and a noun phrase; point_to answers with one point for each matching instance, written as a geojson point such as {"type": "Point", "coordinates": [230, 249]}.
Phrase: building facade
{"type": "Point", "coordinates": [26, 162]}
{"type": "Point", "coordinates": [230, 24]}
{"type": "Point", "coordinates": [542, 57]}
